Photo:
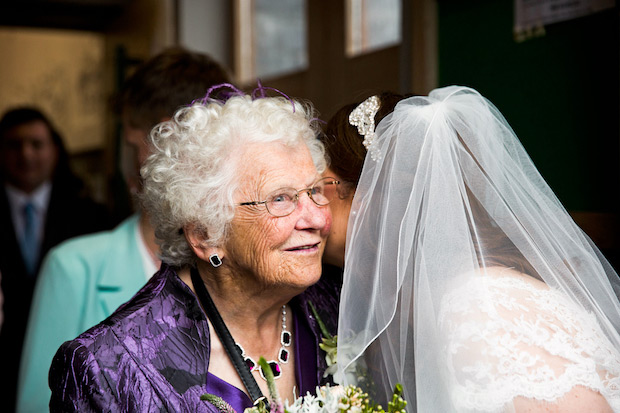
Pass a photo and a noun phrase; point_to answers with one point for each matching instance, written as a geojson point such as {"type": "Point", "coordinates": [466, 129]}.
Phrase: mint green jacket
{"type": "Point", "coordinates": [82, 281]}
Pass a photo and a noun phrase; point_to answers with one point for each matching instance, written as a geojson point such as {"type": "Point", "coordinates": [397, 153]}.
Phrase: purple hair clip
{"type": "Point", "coordinates": [260, 89]}
{"type": "Point", "coordinates": [222, 97]}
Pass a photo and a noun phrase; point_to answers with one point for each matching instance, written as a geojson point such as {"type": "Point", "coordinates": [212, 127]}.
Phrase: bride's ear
{"type": "Point", "coordinates": [197, 238]}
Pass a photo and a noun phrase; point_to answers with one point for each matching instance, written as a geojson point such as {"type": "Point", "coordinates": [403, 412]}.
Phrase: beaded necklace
{"type": "Point", "coordinates": [286, 338]}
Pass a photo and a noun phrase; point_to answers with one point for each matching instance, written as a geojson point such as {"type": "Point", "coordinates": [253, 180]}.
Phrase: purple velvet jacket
{"type": "Point", "coordinates": [152, 354]}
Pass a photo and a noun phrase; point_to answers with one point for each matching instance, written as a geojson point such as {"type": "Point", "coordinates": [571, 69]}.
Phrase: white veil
{"type": "Point", "coordinates": [452, 197]}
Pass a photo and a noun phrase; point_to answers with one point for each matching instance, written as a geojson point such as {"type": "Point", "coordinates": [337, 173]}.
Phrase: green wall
{"type": "Point", "coordinates": [559, 92]}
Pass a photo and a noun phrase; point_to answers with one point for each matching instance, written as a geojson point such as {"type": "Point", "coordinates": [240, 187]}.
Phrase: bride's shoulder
{"type": "Point", "coordinates": [500, 292]}
{"type": "Point", "coordinates": [498, 278]}
{"type": "Point", "coordinates": [545, 343]}
{"type": "Point", "coordinates": [506, 273]}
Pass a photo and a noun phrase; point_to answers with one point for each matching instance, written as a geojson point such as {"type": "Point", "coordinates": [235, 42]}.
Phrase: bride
{"type": "Point", "coordinates": [465, 279]}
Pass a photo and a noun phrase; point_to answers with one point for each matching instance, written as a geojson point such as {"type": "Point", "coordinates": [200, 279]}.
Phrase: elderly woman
{"type": "Point", "coordinates": [237, 197]}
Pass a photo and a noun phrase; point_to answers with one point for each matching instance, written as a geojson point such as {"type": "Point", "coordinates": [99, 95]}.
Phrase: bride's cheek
{"type": "Point", "coordinates": [328, 223]}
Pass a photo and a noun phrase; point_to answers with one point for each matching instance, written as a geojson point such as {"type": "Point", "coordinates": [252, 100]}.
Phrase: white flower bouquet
{"type": "Point", "coordinates": [328, 399]}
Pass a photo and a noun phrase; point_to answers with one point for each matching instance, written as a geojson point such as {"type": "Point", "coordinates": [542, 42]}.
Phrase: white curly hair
{"type": "Point", "coordinates": [192, 172]}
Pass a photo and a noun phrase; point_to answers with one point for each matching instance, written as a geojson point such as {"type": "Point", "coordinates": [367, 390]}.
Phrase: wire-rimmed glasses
{"type": "Point", "coordinates": [283, 201]}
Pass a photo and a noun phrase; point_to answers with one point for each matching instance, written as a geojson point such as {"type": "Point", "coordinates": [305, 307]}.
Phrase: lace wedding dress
{"type": "Point", "coordinates": [510, 336]}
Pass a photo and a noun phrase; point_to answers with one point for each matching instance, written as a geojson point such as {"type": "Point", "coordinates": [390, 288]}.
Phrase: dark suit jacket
{"type": "Point", "coordinates": [68, 215]}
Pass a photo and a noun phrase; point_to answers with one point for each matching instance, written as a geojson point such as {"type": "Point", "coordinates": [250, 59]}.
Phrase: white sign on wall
{"type": "Point", "coordinates": [531, 14]}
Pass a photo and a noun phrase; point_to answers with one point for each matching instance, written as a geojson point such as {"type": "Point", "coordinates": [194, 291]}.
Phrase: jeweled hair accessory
{"type": "Point", "coordinates": [363, 117]}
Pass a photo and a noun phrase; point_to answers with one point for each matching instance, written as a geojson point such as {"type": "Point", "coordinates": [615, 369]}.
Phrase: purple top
{"type": "Point", "coordinates": [152, 354]}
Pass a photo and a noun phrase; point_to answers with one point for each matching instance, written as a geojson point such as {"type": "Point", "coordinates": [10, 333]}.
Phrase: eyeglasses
{"type": "Point", "coordinates": [283, 201]}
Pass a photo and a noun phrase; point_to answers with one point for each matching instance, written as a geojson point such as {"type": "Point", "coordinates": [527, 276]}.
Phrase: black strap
{"type": "Point", "coordinates": [225, 337]}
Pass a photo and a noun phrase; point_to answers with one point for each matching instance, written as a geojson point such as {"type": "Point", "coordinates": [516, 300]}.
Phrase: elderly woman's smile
{"type": "Point", "coordinates": [286, 249]}
{"type": "Point", "coordinates": [313, 247]}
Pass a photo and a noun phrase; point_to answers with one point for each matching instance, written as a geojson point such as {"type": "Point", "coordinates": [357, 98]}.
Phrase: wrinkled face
{"type": "Point", "coordinates": [29, 155]}
{"type": "Point", "coordinates": [281, 251]}
{"type": "Point", "coordinates": [341, 208]}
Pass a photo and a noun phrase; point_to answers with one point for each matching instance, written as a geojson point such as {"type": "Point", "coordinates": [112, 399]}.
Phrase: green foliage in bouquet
{"type": "Point", "coordinates": [329, 343]}
{"type": "Point", "coordinates": [218, 402]}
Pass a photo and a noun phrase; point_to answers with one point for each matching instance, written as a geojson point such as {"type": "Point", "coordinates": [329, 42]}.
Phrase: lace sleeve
{"type": "Point", "coordinates": [511, 339]}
